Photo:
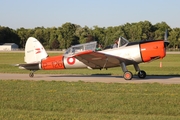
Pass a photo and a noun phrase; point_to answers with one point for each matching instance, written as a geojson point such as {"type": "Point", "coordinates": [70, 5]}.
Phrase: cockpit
{"type": "Point", "coordinates": [92, 46]}
{"type": "Point", "coordinates": [118, 43]}
{"type": "Point", "coordinates": [81, 47]}
{"type": "Point", "coordinates": [122, 41]}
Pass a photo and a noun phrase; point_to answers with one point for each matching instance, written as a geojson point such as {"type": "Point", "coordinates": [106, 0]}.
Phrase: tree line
{"type": "Point", "coordinates": [71, 34]}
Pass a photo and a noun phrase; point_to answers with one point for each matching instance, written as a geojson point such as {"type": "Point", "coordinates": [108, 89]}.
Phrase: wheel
{"type": "Point", "coordinates": [31, 74]}
{"type": "Point", "coordinates": [141, 74]}
{"type": "Point", "coordinates": [128, 75]}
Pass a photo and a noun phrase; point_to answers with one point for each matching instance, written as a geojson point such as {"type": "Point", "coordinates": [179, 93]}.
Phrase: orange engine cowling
{"type": "Point", "coordinates": [53, 63]}
{"type": "Point", "coordinates": [152, 50]}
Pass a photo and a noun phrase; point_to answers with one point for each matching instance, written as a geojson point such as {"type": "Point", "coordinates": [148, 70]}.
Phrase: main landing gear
{"type": "Point", "coordinates": [128, 75]}
{"type": "Point", "coordinates": [31, 74]}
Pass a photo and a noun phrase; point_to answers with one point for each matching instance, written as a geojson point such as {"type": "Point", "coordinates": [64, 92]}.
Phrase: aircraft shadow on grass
{"type": "Point", "coordinates": [149, 77]}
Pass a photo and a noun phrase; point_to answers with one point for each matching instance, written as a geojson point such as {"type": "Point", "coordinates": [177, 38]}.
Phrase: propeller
{"type": "Point", "coordinates": [166, 42]}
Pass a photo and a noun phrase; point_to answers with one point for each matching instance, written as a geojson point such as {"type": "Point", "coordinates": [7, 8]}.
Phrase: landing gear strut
{"type": "Point", "coordinates": [141, 73]}
{"type": "Point", "coordinates": [128, 75]}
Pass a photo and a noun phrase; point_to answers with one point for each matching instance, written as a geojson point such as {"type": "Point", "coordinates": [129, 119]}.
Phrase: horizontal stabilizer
{"type": "Point", "coordinates": [29, 66]}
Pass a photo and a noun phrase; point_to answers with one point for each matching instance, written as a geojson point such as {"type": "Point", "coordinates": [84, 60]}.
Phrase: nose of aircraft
{"type": "Point", "coordinates": [152, 50]}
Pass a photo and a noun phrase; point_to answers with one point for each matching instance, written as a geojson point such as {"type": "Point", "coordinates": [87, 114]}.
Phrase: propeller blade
{"type": "Point", "coordinates": [166, 42]}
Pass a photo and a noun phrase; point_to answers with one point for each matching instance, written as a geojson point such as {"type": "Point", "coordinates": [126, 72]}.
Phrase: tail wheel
{"type": "Point", "coordinates": [141, 74]}
{"type": "Point", "coordinates": [128, 75]}
{"type": "Point", "coordinates": [31, 74]}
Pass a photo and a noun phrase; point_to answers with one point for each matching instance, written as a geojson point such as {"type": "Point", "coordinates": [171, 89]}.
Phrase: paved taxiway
{"type": "Point", "coordinates": [91, 78]}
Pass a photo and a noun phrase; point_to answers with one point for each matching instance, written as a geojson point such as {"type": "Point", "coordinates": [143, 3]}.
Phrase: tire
{"type": "Point", "coordinates": [142, 74]}
{"type": "Point", "coordinates": [128, 75]}
{"type": "Point", "coordinates": [31, 74]}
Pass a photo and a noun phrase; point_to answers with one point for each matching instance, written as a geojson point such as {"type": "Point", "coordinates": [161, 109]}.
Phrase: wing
{"type": "Point", "coordinates": [96, 60]}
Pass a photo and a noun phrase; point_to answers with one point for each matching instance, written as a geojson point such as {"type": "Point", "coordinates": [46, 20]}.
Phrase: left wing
{"type": "Point", "coordinates": [96, 60]}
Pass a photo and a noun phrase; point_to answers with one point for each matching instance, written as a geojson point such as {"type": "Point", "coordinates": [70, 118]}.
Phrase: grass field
{"type": "Point", "coordinates": [40, 100]}
{"type": "Point", "coordinates": [55, 100]}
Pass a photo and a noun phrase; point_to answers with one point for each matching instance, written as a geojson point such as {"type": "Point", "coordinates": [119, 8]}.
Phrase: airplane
{"type": "Point", "coordinates": [86, 56]}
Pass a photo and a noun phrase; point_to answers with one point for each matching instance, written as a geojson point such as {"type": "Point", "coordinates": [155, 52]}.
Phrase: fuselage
{"type": "Point", "coordinates": [87, 56]}
{"type": "Point", "coordinates": [129, 52]}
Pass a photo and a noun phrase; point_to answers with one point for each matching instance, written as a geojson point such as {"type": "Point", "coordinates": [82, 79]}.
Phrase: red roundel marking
{"type": "Point", "coordinates": [70, 60]}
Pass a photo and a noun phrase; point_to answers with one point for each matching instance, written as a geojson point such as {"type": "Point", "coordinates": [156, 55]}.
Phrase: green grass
{"type": "Point", "coordinates": [39, 100]}
{"type": "Point", "coordinates": [171, 66]}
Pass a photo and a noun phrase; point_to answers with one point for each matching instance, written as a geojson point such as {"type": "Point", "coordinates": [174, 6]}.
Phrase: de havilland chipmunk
{"type": "Point", "coordinates": [85, 56]}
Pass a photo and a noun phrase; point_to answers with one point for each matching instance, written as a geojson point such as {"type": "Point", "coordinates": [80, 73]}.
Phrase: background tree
{"type": "Point", "coordinates": [99, 34]}
{"type": "Point", "coordinates": [8, 35]}
{"type": "Point", "coordinates": [40, 35]}
{"type": "Point", "coordinates": [68, 33]}
{"type": "Point", "coordinates": [81, 34]}
{"type": "Point", "coordinates": [55, 44]}
{"type": "Point", "coordinates": [146, 30]}
{"type": "Point", "coordinates": [52, 38]}
{"type": "Point", "coordinates": [71, 34]}
{"type": "Point", "coordinates": [89, 38]}
{"type": "Point", "coordinates": [174, 38]}
{"type": "Point", "coordinates": [160, 30]}
{"type": "Point", "coordinates": [23, 34]}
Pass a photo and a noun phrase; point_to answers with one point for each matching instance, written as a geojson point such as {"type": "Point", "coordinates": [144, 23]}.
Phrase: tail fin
{"type": "Point", "coordinates": [34, 51]}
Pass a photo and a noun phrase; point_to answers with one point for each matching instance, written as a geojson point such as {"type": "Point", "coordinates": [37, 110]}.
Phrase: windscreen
{"type": "Point", "coordinates": [81, 47]}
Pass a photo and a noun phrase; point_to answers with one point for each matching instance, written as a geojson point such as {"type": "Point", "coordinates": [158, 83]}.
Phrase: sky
{"type": "Point", "coordinates": [102, 13]}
